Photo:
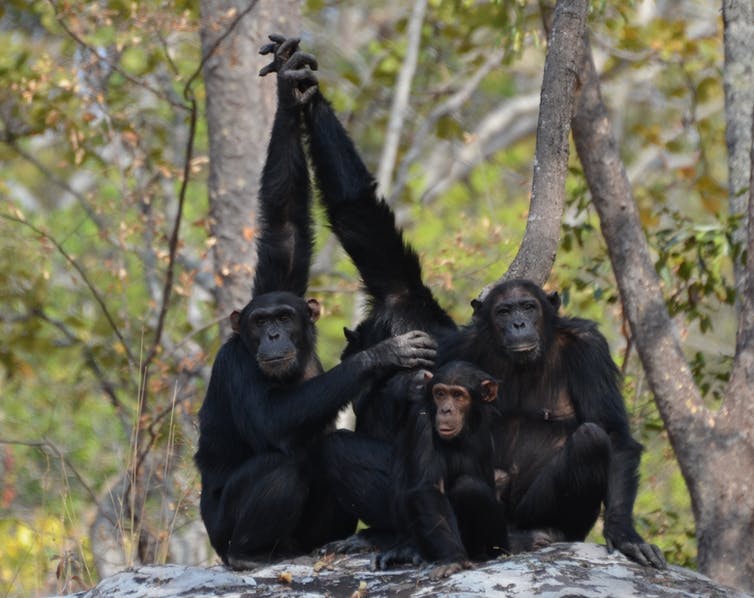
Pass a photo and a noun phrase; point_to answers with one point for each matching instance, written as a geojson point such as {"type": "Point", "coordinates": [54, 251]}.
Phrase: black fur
{"type": "Point", "coordinates": [398, 301]}
{"type": "Point", "coordinates": [445, 488]}
{"type": "Point", "coordinates": [563, 437]}
{"type": "Point", "coordinates": [269, 406]}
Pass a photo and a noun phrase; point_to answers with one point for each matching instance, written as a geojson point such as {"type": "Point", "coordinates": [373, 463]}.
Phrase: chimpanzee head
{"type": "Point", "coordinates": [278, 331]}
{"type": "Point", "coordinates": [520, 317]}
{"type": "Point", "coordinates": [457, 392]}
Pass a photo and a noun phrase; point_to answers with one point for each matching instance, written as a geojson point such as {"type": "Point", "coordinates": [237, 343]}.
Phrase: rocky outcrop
{"type": "Point", "coordinates": [561, 570]}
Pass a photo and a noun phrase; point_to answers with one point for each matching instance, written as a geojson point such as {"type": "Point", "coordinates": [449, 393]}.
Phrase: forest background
{"type": "Point", "coordinates": [112, 297]}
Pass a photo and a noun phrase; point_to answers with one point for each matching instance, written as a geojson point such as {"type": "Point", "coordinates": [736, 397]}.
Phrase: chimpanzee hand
{"type": "Point", "coordinates": [415, 349]}
{"type": "Point", "coordinates": [296, 81]}
{"type": "Point", "coordinates": [633, 546]}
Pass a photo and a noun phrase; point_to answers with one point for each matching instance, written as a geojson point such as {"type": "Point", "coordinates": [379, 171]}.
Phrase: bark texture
{"type": "Point", "coordinates": [539, 246]}
{"type": "Point", "coordinates": [714, 449]}
{"type": "Point", "coordinates": [738, 80]}
{"type": "Point", "coordinates": [240, 109]}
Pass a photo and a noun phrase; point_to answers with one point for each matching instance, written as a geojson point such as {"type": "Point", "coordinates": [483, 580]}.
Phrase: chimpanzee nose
{"type": "Point", "coordinates": [520, 324]}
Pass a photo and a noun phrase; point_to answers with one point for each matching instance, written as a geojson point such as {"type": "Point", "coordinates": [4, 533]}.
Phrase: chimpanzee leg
{"type": "Point", "coordinates": [568, 492]}
{"type": "Point", "coordinates": [481, 518]}
{"type": "Point", "coordinates": [324, 519]}
{"type": "Point", "coordinates": [434, 525]}
{"type": "Point", "coordinates": [261, 506]}
{"type": "Point", "coordinates": [358, 471]}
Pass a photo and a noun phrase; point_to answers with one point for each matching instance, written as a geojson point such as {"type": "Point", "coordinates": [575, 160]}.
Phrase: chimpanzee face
{"type": "Point", "coordinates": [277, 330]}
{"type": "Point", "coordinates": [453, 403]}
{"type": "Point", "coordinates": [521, 315]}
{"type": "Point", "coordinates": [456, 389]}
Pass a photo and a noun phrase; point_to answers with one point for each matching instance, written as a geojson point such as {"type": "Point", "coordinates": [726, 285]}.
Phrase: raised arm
{"type": "Point", "coordinates": [284, 247]}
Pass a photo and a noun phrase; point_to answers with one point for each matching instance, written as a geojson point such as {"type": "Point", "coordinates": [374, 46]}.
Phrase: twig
{"type": "Point", "coordinates": [400, 99]}
{"type": "Point", "coordinates": [97, 297]}
{"type": "Point", "coordinates": [115, 67]}
{"type": "Point", "coordinates": [49, 446]}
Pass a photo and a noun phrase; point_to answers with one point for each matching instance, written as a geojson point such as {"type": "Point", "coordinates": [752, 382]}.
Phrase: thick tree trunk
{"type": "Point", "coordinates": [240, 109]}
{"type": "Point", "coordinates": [714, 450]}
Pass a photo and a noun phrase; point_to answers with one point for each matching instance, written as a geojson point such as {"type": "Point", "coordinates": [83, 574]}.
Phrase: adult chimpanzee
{"type": "Point", "coordinates": [268, 404]}
{"type": "Point", "coordinates": [563, 439]}
{"type": "Point", "coordinates": [444, 474]}
{"type": "Point", "coordinates": [399, 302]}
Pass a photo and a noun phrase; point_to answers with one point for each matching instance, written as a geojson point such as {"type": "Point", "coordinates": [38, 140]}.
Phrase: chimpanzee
{"type": "Point", "coordinates": [399, 302]}
{"type": "Point", "coordinates": [268, 404]}
{"type": "Point", "coordinates": [563, 439]}
{"type": "Point", "coordinates": [444, 479]}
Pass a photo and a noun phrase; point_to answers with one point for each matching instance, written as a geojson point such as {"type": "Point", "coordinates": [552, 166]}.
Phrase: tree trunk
{"type": "Point", "coordinates": [539, 246]}
{"type": "Point", "coordinates": [714, 450]}
{"type": "Point", "coordinates": [738, 76]}
{"type": "Point", "coordinates": [240, 109]}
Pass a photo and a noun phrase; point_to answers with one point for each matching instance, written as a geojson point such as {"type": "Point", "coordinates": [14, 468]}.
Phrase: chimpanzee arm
{"type": "Point", "coordinates": [365, 225]}
{"type": "Point", "coordinates": [284, 247]}
{"type": "Point", "coordinates": [594, 385]}
{"type": "Point", "coordinates": [304, 409]}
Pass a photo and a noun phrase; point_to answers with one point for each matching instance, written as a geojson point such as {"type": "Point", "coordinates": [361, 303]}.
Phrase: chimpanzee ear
{"type": "Point", "coordinates": [351, 335]}
{"type": "Point", "coordinates": [476, 305]}
{"type": "Point", "coordinates": [235, 320]}
{"type": "Point", "coordinates": [489, 390]}
{"type": "Point", "coordinates": [554, 300]}
{"type": "Point", "coordinates": [315, 309]}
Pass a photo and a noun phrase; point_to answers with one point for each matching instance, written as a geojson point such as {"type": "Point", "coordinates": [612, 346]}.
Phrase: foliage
{"type": "Point", "coordinates": [94, 129]}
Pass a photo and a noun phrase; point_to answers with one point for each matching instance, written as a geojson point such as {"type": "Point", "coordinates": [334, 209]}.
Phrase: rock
{"type": "Point", "coordinates": [565, 570]}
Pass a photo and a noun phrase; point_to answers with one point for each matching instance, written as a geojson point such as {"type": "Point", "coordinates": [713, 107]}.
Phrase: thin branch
{"type": "Point", "coordinates": [451, 104]}
{"type": "Point", "coordinates": [47, 445]}
{"type": "Point", "coordinates": [107, 387]}
{"type": "Point", "coordinates": [59, 16]}
{"type": "Point", "coordinates": [58, 182]}
{"type": "Point", "coordinates": [399, 107]}
{"type": "Point", "coordinates": [97, 297]}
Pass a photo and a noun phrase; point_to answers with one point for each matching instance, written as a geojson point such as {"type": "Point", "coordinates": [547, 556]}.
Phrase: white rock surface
{"type": "Point", "coordinates": [559, 571]}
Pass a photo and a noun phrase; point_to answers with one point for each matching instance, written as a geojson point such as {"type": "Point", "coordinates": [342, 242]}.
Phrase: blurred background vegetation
{"type": "Point", "coordinates": [93, 134]}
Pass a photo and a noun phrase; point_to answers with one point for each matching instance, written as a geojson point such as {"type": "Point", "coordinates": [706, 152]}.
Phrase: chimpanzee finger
{"type": "Point", "coordinates": [654, 555]}
{"type": "Point", "coordinates": [301, 59]}
{"type": "Point", "coordinates": [633, 551]}
{"type": "Point", "coordinates": [610, 546]}
{"type": "Point", "coordinates": [268, 48]}
{"type": "Point", "coordinates": [278, 38]}
{"type": "Point", "coordinates": [303, 74]}
{"type": "Point", "coordinates": [266, 70]}
{"type": "Point", "coordinates": [287, 49]}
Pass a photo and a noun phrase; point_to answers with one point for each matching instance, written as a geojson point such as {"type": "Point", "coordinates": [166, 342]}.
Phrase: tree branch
{"type": "Point", "coordinates": [449, 105]}
{"type": "Point", "coordinates": [538, 248]}
{"type": "Point", "coordinates": [92, 289]}
{"type": "Point", "coordinates": [669, 376]}
{"type": "Point", "coordinates": [400, 98]}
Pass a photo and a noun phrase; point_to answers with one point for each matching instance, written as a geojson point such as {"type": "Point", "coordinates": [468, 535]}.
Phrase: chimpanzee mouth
{"type": "Point", "coordinates": [278, 359]}
{"type": "Point", "coordinates": [523, 347]}
{"type": "Point", "coordinates": [447, 432]}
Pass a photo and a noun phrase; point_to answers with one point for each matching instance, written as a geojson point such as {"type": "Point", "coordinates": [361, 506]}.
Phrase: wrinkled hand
{"type": "Point", "coordinates": [634, 547]}
{"type": "Point", "coordinates": [297, 84]}
{"type": "Point", "coordinates": [415, 349]}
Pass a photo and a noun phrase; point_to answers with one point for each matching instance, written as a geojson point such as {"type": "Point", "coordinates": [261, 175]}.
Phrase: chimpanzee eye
{"type": "Point", "coordinates": [285, 317]}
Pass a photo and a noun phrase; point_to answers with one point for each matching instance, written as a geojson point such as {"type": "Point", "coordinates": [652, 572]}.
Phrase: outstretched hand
{"type": "Point", "coordinates": [297, 83]}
